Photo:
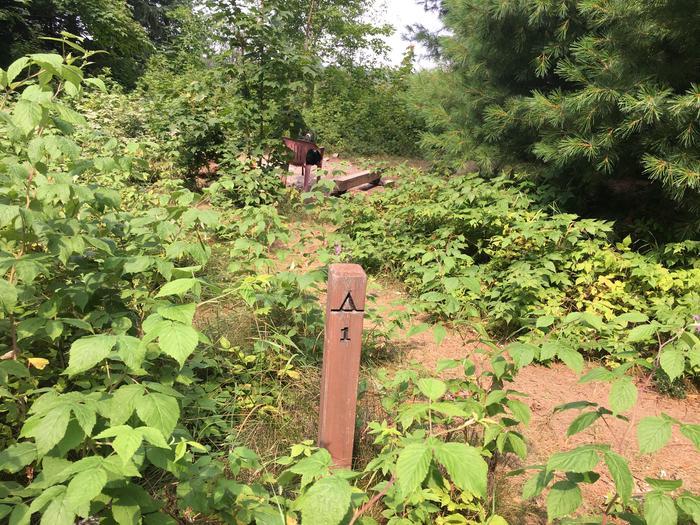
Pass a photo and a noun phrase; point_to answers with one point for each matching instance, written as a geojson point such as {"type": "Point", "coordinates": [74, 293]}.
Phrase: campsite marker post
{"type": "Point", "coordinates": [342, 346]}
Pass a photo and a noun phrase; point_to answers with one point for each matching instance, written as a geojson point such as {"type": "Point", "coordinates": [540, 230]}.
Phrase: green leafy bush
{"type": "Point", "coordinates": [470, 246]}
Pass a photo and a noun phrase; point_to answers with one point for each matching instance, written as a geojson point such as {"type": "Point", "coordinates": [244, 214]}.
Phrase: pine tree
{"type": "Point", "coordinates": [592, 93]}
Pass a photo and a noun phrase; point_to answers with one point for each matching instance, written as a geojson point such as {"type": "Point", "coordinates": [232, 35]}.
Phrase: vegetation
{"type": "Point", "coordinates": [598, 98]}
{"type": "Point", "coordinates": [160, 316]}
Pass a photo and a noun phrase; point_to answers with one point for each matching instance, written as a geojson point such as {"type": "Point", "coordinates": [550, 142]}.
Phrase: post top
{"type": "Point", "coordinates": [346, 270]}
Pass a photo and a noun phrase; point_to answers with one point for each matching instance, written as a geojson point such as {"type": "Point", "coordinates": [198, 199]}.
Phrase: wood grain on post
{"type": "Point", "coordinates": [345, 309]}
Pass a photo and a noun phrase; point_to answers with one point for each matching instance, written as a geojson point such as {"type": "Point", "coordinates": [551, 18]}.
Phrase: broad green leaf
{"type": "Point", "coordinates": [563, 499]}
{"type": "Point", "coordinates": [182, 313]}
{"type": "Point", "coordinates": [659, 509]}
{"type": "Point", "coordinates": [58, 512]}
{"type": "Point", "coordinates": [673, 362]}
{"type": "Point", "coordinates": [126, 441]}
{"type": "Point", "coordinates": [326, 502]}
{"type": "Point", "coordinates": [158, 411]}
{"type": "Point", "coordinates": [123, 403]}
{"type": "Point", "coordinates": [623, 395]}
{"type": "Point", "coordinates": [15, 457]}
{"type": "Point", "coordinates": [176, 287]}
{"type": "Point", "coordinates": [465, 466]}
{"type": "Point", "coordinates": [27, 115]}
{"type": "Point", "coordinates": [520, 410]}
{"type": "Point", "coordinates": [620, 473]}
{"type": "Point", "coordinates": [597, 374]}
{"type": "Point", "coordinates": [20, 515]}
{"type": "Point", "coordinates": [8, 296]}
{"type": "Point", "coordinates": [653, 433]}
{"type": "Point", "coordinates": [153, 436]}
{"type": "Point", "coordinates": [85, 487]}
{"type": "Point", "coordinates": [313, 466]}
{"type": "Point", "coordinates": [522, 353]}
{"type": "Point", "coordinates": [86, 352]}
{"type": "Point", "coordinates": [178, 341]}
{"type": "Point", "coordinates": [582, 422]}
{"type": "Point", "coordinates": [690, 505]}
{"type": "Point", "coordinates": [14, 69]}
{"type": "Point", "coordinates": [572, 359]}
{"type": "Point", "coordinates": [642, 333]}
{"type": "Point", "coordinates": [439, 334]}
{"type": "Point", "coordinates": [534, 486]}
{"type": "Point", "coordinates": [412, 467]}
{"type": "Point", "coordinates": [581, 459]}
{"type": "Point", "coordinates": [666, 485]}
{"type": "Point", "coordinates": [544, 321]}
{"type": "Point", "coordinates": [431, 388]}
{"type": "Point", "coordinates": [692, 432]}
{"type": "Point", "coordinates": [51, 429]}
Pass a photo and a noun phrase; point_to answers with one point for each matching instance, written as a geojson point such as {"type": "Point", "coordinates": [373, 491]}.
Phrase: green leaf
{"type": "Point", "coordinates": [692, 432]}
{"type": "Point", "coordinates": [431, 388]}
{"type": "Point", "coordinates": [582, 422]}
{"type": "Point", "coordinates": [673, 363]}
{"type": "Point", "coordinates": [520, 410]}
{"type": "Point", "coordinates": [85, 487]}
{"type": "Point", "coordinates": [326, 502]}
{"type": "Point", "coordinates": [642, 333]}
{"type": "Point", "coordinates": [126, 441]}
{"type": "Point", "coordinates": [621, 475]}
{"type": "Point", "coordinates": [51, 429]}
{"type": "Point", "coordinates": [58, 512]}
{"type": "Point", "coordinates": [623, 395]}
{"type": "Point", "coordinates": [653, 433]}
{"type": "Point", "coordinates": [563, 499]}
{"type": "Point", "coordinates": [8, 296]}
{"type": "Point", "coordinates": [544, 321]}
{"type": "Point", "coordinates": [690, 505]}
{"type": "Point", "coordinates": [534, 486]}
{"type": "Point", "coordinates": [659, 509]}
{"type": "Point", "coordinates": [182, 313]}
{"type": "Point", "coordinates": [465, 465]}
{"type": "Point", "coordinates": [16, 68]}
{"type": "Point", "coordinates": [412, 467]}
{"type": "Point", "coordinates": [20, 515]}
{"type": "Point", "coordinates": [580, 459]}
{"type": "Point", "coordinates": [522, 353]}
{"type": "Point", "coordinates": [15, 457]}
{"type": "Point", "coordinates": [158, 411]}
{"type": "Point", "coordinates": [665, 485]}
{"type": "Point", "coordinates": [572, 359]}
{"type": "Point", "coordinates": [313, 466]}
{"type": "Point", "coordinates": [178, 341]}
{"type": "Point", "coordinates": [123, 403]}
{"type": "Point", "coordinates": [176, 287]}
{"type": "Point", "coordinates": [86, 352]}
{"type": "Point", "coordinates": [27, 115]}
{"type": "Point", "coordinates": [439, 334]}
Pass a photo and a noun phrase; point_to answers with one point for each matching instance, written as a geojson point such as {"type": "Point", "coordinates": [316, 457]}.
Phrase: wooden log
{"type": "Point", "coordinates": [344, 183]}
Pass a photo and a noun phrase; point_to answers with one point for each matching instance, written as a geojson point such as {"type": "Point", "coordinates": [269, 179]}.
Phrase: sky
{"type": "Point", "coordinates": [400, 13]}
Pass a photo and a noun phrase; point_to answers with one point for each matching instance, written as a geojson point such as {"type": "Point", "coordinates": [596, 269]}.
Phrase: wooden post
{"type": "Point", "coordinates": [347, 285]}
{"type": "Point", "coordinates": [307, 177]}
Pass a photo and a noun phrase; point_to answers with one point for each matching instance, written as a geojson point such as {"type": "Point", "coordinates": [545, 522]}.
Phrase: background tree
{"type": "Point", "coordinates": [599, 97]}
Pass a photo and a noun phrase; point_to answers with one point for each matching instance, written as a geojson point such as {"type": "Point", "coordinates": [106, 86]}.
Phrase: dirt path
{"type": "Point", "coordinates": [546, 388]}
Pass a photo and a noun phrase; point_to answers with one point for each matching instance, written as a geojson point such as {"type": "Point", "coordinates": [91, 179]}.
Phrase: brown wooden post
{"type": "Point", "coordinates": [307, 177]}
{"type": "Point", "coordinates": [345, 307]}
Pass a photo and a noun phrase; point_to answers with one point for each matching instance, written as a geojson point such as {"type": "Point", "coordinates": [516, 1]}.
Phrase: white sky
{"type": "Point", "coordinates": [400, 13]}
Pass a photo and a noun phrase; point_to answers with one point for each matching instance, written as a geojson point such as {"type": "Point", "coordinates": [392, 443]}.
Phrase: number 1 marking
{"type": "Point", "coordinates": [346, 334]}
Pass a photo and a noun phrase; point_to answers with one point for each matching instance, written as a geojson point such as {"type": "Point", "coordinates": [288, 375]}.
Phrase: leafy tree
{"type": "Point", "coordinates": [107, 25]}
{"type": "Point", "coordinates": [599, 96]}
